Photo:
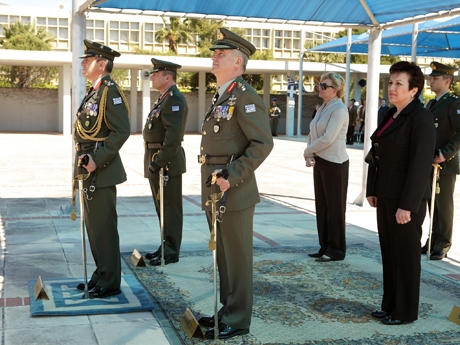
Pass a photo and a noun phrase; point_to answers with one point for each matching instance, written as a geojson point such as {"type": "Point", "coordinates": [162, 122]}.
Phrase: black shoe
{"type": "Point", "coordinates": [315, 255]}
{"type": "Point", "coordinates": [157, 261]}
{"type": "Point", "coordinates": [387, 320]}
{"type": "Point", "coordinates": [81, 286]}
{"type": "Point", "coordinates": [150, 256]}
{"type": "Point", "coordinates": [100, 292]}
{"type": "Point", "coordinates": [207, 321]}
{"type": "Point", "coordinates": [379, 314]}
{"type": "Point", "coordinates": [324, 258]}
{"type": "Point", "coordinates": [424, 249]}
{"type": "Point", "coordinates": [437, 255]}
{"type": "Point", "coordinates": [226, 332]}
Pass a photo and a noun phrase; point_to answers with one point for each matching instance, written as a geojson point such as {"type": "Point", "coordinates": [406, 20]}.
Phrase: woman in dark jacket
{"type": "Point", "coordinates": [398, 184]}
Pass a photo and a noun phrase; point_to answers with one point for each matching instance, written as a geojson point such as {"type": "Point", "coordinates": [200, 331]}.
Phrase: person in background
{"type": "Point", "coordinates": [352, 119]}
{"type": "Point", "coordinates": [163, 134]}
{"type": "Point", "coordinates": [275, 113]}
{"type": "Point", "coordinates": [235, 140]}
{"type": "Point", "coordinates": [383, 108]}
{"type": "Point", "coordinates": [326, 153]}
{"type": "Point", "coordinates": [398, 185]}
{"type": "Point", "coordinates": [362, 119]}
{"type": "Point", "coordinates": [446, 113]}
{"type": "Point", "coordinates": [101, 129]}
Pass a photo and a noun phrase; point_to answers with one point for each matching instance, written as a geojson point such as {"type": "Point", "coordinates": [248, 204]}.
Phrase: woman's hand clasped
{"type": "Point", "coordinates": [310, 161]}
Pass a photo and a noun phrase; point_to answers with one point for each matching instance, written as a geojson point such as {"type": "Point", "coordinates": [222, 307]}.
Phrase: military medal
{"type": "Point", "coordinates": [150, 126]}
{"type": "Point", "coordinates": [86, 123]}
{"type": "Point", "coordinates": [216, 128]}
{"type": "Point", "coordinates": [232, 100]}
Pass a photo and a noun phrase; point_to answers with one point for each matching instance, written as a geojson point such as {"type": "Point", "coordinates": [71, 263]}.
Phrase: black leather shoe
{"type": "Point", "coordinates": [315, 255]}
{"type": "Point", "coordinates": [387, 320]}
{"type": "Point", "coordinates": [150, 256]}
{"type": "Point", "coordinates": [437, 255]}
{"type": "Point", "coordinates": [207, 321]}
{"type": "Point", "coordinates": [81, 286]}
{"type": "Point", "coordinates": [157, 261]}
{"type": "Point", "coordinates": [324, 258]}
{"type": "Point", "coordinates": [100, 292]}
{"type": "Point", "coordinates": [424, 249]}
{"type": "Point", "coordinates": [226, 332]}
{"type": "Point", "coordinates": [379, 314]}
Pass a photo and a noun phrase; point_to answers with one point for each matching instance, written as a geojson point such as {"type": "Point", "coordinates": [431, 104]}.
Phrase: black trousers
{"type": "Point", "coordinates": [443, 217]}
{"type": "Point", "coordinates": [173, 213]}
{"type": "Point", "coordinates": [351, 134]}
{"type": "Point", "coordinates": [331, 185]}
{"type": "Point", "coordinates": [400, 248]}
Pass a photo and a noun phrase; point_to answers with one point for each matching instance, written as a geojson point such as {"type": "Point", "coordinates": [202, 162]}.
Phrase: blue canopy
{"type": "Point", "coordinates": [435, 39]}
{"type": "Point", "coordinates": [326, 12]}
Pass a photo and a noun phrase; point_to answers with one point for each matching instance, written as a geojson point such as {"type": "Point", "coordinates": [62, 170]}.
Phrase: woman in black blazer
{"type": "Point", "coordinates": [398, 184]}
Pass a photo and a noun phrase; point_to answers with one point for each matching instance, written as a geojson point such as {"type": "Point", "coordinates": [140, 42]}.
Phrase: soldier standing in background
{"type": "Point", "coordinates": [446, 113]}
{"type": "Point", "coordinates": [163, 134]}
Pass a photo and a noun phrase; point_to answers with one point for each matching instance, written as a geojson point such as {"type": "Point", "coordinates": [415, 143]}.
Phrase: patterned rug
{"type": "Point", "coordinates": [65, 299]}
{"type": "Point", "coordinates": [300, 301]}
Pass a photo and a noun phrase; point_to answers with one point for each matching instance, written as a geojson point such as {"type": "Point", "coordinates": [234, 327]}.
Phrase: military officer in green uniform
{"type": "Point", "coordinates": [163, 133]}
{"type": "Point", "coordinates": [446, 113]}
{"type": "Point", "coordinates": [236, 137]}
{"type": "Point", "coordinates": [101, 128]}
{"type": "Point", "coordinates": [275, 113]}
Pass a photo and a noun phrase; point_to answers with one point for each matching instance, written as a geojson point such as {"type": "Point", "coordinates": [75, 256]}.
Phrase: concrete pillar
{"type": "Point", "coordinates": [266, 96]}
{"type": "Point", "coordinates": [145, 99]}
{"type": "Point", "coordinates": [133, 100]}
{"type": "Point", "coordinates": [372, 98]}
{"type": "Point", "coordinates": [65, 100]}
{"type": "Point", "coordinates": [356, 87]}
{"type": "Point", "coordinates": [201, 98]}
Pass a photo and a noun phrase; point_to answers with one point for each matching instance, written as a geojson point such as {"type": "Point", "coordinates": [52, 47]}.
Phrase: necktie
{"type": "Point", "coordinates": [433, 103]}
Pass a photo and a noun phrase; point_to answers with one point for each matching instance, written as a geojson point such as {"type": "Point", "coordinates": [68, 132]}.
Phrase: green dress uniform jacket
{"type": "Point", "coordinates": [166, 125]}
{"type": "Point", "coordinates": [101, 129]}
{"type": "Point", "coordinates": [446, 114]}
{"type": "Point", "coordinates": [236, 126]}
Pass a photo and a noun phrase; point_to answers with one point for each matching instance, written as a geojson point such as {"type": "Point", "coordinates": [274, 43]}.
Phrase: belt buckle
{"type": "Point", "coordinates": [202, 159]}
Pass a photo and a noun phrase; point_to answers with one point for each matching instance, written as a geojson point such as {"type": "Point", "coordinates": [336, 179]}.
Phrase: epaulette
{"type": "Point", "coordinates": [109, 82]}
{"type": "Point", "coordinates": [241, 86]}
{"type": "Point", "coordinates": [453, 96]}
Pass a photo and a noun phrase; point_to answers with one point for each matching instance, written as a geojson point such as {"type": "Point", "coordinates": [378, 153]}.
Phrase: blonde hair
{"type": "Point", "coordinates": [337, 82]}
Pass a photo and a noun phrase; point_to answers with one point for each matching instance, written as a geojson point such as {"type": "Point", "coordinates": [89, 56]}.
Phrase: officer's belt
{"type": "Point", "coordinates": [93, 145]}
{"type": "Point", "coordinates": [152, 145]}
{"type": "Point", "coordinates": [215, 160]}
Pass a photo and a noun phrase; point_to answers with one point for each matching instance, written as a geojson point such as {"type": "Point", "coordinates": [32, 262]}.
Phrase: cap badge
{"type": "Point", "coordinates": [220, 35]}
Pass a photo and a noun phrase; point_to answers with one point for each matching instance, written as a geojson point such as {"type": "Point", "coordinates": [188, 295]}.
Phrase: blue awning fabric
{"type": "Point", "coordinates": [331, 12]}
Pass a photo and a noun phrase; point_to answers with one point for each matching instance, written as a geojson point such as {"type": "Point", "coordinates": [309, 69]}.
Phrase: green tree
{"type": "Point", "coordinates": [176, 32]}
{"type": "Point", "coordinates": [21, 36]}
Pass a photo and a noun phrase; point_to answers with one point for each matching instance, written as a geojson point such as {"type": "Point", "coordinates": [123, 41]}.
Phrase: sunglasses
{"type": "Point", "coordinates": [324, 86]}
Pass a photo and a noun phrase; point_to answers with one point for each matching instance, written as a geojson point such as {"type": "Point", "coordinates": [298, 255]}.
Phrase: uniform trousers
{"type": "Point", "coordinates": [400, 249]}
{"type": "Point", "coordinates": [102, 227]}
{"type": "Point", "coordinates": [443, 217]}
{"type": "Point", "coordinates": [331, 185]}
{"type": "Point", "coordinates": [235, 261]}
{"type": "Point", "coordinates": [173, 213]}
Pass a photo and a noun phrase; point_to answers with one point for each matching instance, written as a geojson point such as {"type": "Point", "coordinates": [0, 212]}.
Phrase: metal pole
{"type": "Point", "coordinates": [433, 195]}
{"type": "Point", "coordinates": [83, 241]}
{"type": "Point", "coordinates": [299, 107]}
{"type": "Point", "coordinates": [162, 216]}
{"type": "Point", "coordinates": [347, 73]}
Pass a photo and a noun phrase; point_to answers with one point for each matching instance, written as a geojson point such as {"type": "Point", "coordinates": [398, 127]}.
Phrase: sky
{"type": "Point", "coordinates": [38, 3]}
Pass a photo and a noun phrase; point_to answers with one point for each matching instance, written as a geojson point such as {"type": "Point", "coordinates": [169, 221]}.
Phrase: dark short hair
{"type": "Point", "coordinates": [108, 65]}
{"type": "Point", "coordinates": [352, 100]}
{"type": "Point", "coordinates": [173, 74]}
{"type": "Point", "coordinates": [416, 77]}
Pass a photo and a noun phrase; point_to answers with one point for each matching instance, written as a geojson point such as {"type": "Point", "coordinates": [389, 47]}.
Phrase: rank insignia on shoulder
{"type": "Point", "coordinates": [250, 108]}
{"type": "Point", "coordinates": [171, 93]}
{"type": "Point", "coordinates": [241, 86]}
{"type": "Point", "coordinates": [117, 101]}
{"type": "Point", "coordinates": [175, 108]}
{"type": "Point", "coordinates": [108, 83]}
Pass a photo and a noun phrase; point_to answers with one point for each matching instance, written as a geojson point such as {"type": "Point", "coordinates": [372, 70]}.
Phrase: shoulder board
{"type": "Point", "coordinates": [453, 96]}
{"type": "Point", "coordinates": [109, 82]}
{"type": "Point", "coordinates": [241, 86]}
